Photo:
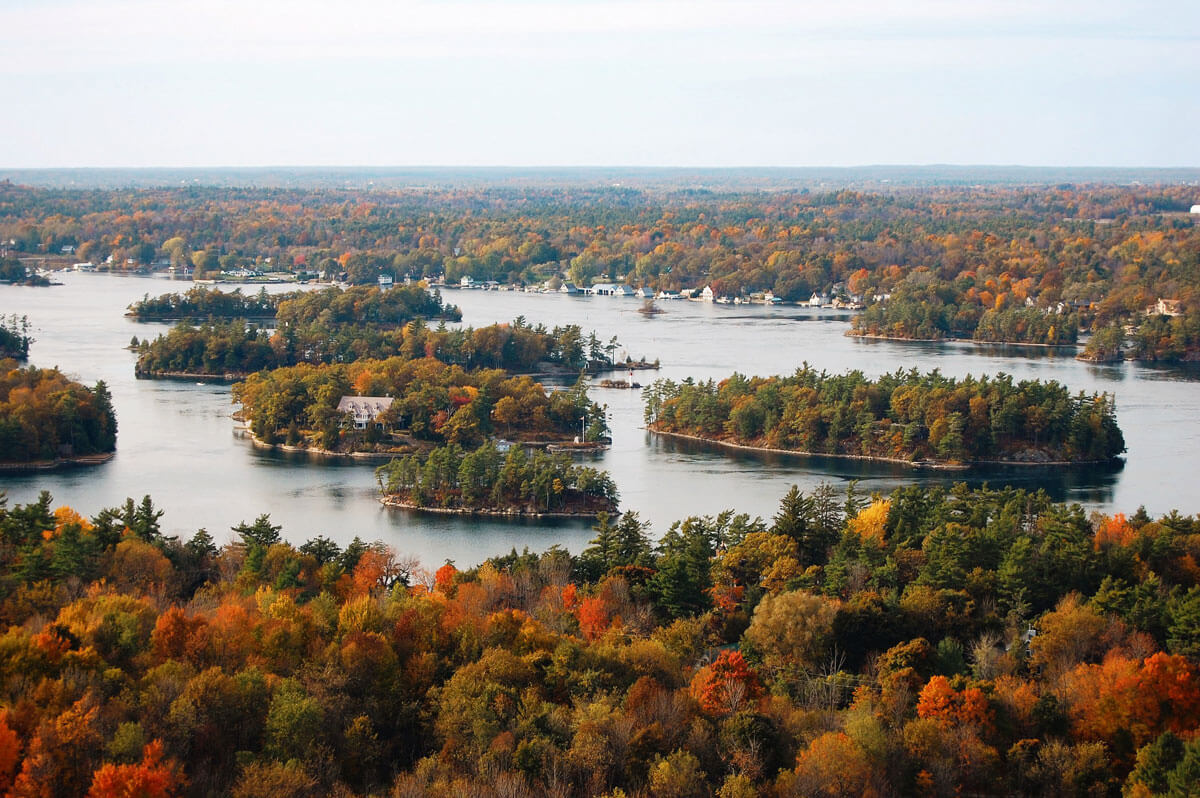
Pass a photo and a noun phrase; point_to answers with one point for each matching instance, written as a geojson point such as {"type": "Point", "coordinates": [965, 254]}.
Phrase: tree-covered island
{"type": "Point", "coordinates": [906, 416]}
{"type": "Point", "coordinates": [428, 403]}
{"type": "Point", "coordinates": [487, 481]}
{"type": "Point", "coordinates": [47, 420]}
{"type": "Point", "coordinates": [14, 337]}
{"type": "Point", "coordinates": [325, 326]}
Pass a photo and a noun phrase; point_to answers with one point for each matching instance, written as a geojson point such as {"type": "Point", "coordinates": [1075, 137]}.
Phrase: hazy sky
{"type": "Point", "coordinates": [599, 82]}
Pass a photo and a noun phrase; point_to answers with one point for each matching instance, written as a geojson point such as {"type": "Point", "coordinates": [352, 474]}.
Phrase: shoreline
{"type": "Point", "coordinates": [877, 337]}
{"type": "Point", "coordinates": [286, 447]}
{"type": "Point", "coordinates": [228, 376]}
{"type": "Point", "coordinates": [934, 465]}
{"type": "Point", "coordinates": [57, 463]}
{"type": "Point", "coordinates": [391, 501]}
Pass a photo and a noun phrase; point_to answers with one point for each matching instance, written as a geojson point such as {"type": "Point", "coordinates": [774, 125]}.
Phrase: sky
{"type": "Point", "coordinates": [142, 83]}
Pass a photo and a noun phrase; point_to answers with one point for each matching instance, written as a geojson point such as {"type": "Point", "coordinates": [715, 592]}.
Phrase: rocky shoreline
{"type": "Point", "coordinates": [59, 462]}
{"type": "Point", "coordinates": [514, 512]}
{"type": "Point", "coordinates": [935, 465]}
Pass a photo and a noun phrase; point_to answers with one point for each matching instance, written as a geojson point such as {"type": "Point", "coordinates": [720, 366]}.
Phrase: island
{"type": "Point", "coordinates": [316, 327]}
{"type": "Point", "coordinates": [924, 419]}
{"type": "Point", "coordinates": [48, 420]}
{"type": "Point", "coordinates": [14, 337]}
{"type": "Point", "coordinates": [400, 406]}
{"type": "Point", "coordinates": [491, 481]}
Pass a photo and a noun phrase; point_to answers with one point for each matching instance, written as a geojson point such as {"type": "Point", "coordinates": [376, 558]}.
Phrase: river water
{"type": "Point", "coordinates": [177, 442]}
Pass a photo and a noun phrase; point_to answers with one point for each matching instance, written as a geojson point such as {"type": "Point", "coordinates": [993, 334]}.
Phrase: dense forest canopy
{"type": "Point", "coordinates": [936, 642]}
{"type": "Point", "coordinates": [906, 415]}
{"type": "Point", "coordinates": [45, 416]}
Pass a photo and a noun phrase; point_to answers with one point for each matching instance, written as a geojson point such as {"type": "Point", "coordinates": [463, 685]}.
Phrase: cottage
{"type": "Point", "coordinates": [707, 294]}
{"type": "Point", "coordinates": [385, 281]}
{"type": "Point", "coordinates": [569, 288]}
{"type": "Point", "coordinates": [364, 409]}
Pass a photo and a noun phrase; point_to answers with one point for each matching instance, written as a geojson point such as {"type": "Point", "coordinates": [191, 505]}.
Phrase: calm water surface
{"type": "Point", "coordinates": [176, 440]}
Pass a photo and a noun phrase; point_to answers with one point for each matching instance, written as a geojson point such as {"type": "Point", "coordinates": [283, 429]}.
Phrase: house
{"type": "Point", "coordinates": [569, 288]}
{"type": "Point", "coordinates": [644, 293]}
{"type": "Point", "coordinates": [385, 281]}
{"type": "Point", "coordinates": [364, 409]}
{"type": "Point", "coordinates": [1165, 307]}
{"type": "Point", "coordinates": [815, 300]}
{"type": "Point", "coordinates": [467, 281]}
{"type": "Point", "coordinates": [707, 294]}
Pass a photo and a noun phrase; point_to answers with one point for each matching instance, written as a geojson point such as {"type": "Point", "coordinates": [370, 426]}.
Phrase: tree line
{"type": "Point", "coordinates": [934, 641]}
{"type": "Point", "coordinates": [1106, 253]}
{"type": "Point", "coordinates": [906, 415]}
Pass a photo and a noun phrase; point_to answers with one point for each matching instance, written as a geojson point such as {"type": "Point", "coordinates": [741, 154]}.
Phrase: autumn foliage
{"type": "Point", "coordinates": [932, 642]}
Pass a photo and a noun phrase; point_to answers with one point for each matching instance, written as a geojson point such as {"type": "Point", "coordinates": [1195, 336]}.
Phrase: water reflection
{"type": "Point", "coordinates": [1092, 484]}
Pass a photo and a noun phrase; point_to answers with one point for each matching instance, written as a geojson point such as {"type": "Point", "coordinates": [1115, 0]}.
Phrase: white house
{"type": "Point", "coordinates": [707, 294]}
{"type": "Point", "coordinates": [385, 281]}
{"type": "Point", "coordinates": [467, 281]}
{"type": "Point", "coordinates": [364, 409]}
{"type": "Point", "coordinates": [569, 288]}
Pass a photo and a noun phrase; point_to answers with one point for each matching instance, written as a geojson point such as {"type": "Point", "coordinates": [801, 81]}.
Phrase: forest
{"type": "Point", "coordinates": [906, 416]}
{"type": "Point", "coordinates": [932, 641]}
{"type": "Point", "coordinates": [46, 417]}
{"type": "Point", "coordinates": [1070, 256]}
{"type": "Point", "coordinates": [433, 403]}
{"type": "Point", "coordinates": [486, 480]}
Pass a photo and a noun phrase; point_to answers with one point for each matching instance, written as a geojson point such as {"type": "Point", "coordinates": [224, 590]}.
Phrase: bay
{"type": "Point", "coordinates": [178, 443]}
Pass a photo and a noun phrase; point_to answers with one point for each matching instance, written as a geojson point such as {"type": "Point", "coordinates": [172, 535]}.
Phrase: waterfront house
{"type": "Point", "coordinates": [707, 294]}
{"type": "Point", "coordinates": [569, 288]}
{"type": "Point", "coordinates": [385, 281]}
{"type": "Point", "coordinates": [467, 281]}
{"type": "Point", "coordinates": [364, 409]}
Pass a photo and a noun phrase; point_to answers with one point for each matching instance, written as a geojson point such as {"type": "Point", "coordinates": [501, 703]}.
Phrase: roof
{"type": "Point", "coordinates": [372, 405]}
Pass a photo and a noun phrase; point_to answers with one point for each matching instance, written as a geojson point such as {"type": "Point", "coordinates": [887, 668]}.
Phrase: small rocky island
{"type": "Point", "coordinates": [497, 480]}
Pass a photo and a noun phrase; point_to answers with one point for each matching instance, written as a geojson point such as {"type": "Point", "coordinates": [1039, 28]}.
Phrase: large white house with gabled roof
{"type": "Point", "coordinates": [364, 409]}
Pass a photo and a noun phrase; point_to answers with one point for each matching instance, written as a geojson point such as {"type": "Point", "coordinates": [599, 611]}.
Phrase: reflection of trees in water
{"type": "Point", "coordinates": [1089, 484]}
